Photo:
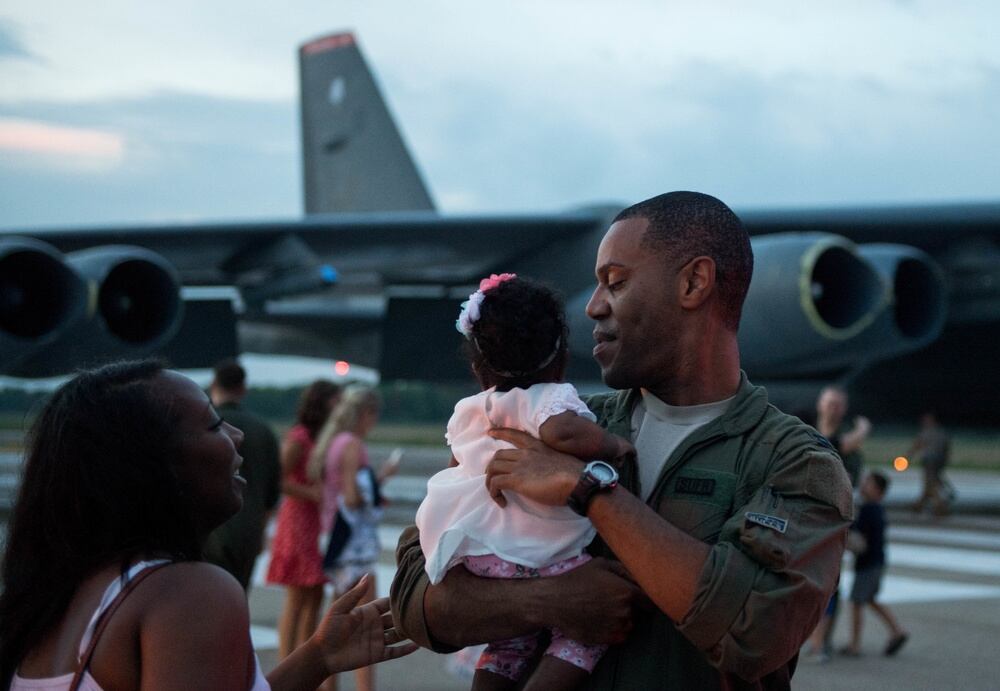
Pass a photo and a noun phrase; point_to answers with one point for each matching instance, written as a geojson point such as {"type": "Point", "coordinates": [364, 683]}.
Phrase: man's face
{"type": "Point", "coordinates": [635, 308]}
{"type": "Point", "coordinates": [832, 405]}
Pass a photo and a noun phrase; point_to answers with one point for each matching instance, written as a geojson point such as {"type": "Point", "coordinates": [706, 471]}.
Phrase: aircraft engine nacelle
{"type": "Point", "coordinates": [40, 298]}
{"type": "Point", "coordinates": [811, 295]}
{"type": "Point", "coordinates": [133, 307]}
{"type": "Point", "coordinates": [917, 305]}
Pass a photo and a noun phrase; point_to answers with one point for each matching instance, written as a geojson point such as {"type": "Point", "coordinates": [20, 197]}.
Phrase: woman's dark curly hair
{"type": "Point", "coordinates": [314, 405]}
{"type": "Point", "coordinates": [520, 336]}
{"type": "Point", "coordinates": [98, 487]}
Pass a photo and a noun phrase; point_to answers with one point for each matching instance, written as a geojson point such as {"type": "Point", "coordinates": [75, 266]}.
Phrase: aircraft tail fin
{"type": "Point", "coordinates": [354, 156]}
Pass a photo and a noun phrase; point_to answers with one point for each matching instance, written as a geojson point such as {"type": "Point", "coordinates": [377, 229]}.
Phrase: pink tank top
{"type": "Point", "coordinates": [332, 483]}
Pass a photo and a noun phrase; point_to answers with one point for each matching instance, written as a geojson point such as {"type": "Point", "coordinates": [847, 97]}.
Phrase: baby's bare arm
{"type": "Point", "coordinates": [569, 433]}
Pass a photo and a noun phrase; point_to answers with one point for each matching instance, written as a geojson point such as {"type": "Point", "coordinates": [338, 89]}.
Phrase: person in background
{"type": "Point", "coordinates": [127, 469]}
{"type": "Point", "coordinates": [295, 559]}
{"type": "Point", "coordinates": [932, 448]}
{"type": "Point", "coordinates": [831, 414]}
{"type": "Point", "coordinates": [235, 544]}
{"type": "Point", "coordinates": [351, 497]}
{"type": "Point", "coordinates": [831, 411]}
{"type": "Point", "coordinates": [867, 541]}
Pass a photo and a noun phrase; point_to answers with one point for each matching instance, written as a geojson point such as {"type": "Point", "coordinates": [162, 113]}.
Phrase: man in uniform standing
{"type": "Point", "coordinates": [236, 543]}
{"type": "Point", "coordinates": [731, 524]}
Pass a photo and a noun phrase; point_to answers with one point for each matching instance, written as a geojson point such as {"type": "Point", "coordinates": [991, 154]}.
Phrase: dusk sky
{"type": "Point", "coordinates": [119, 111]}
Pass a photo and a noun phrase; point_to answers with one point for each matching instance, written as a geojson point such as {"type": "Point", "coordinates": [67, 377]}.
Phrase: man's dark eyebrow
{"type": "Point", "coordinates": [607, 266]}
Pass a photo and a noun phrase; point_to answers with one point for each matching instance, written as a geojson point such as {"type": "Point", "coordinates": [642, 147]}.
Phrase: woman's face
{"type": "Point", "coordinates": [368, 419]}
{"type": "Point", "coordinates": [208, 460]}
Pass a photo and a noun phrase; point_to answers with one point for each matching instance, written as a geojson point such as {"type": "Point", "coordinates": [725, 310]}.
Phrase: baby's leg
{"type": "Point", "coordinates": [553, 674]}
{"type": "Point", "coordinates": [567, 663]}
{"type": "Point", "coordinates": [503, 663]}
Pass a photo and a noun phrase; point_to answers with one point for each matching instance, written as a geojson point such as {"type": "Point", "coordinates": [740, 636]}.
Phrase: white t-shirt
{"type": "Point", "coordinates": [458, 518]}
{"type": "Point", "coordinates": [658, 429]}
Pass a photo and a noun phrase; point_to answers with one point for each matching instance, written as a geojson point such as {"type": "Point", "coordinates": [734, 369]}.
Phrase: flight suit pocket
{"type": "Point", "coordinates": [698, 501]}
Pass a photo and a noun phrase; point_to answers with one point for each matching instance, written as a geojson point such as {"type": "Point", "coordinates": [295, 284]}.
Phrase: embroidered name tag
{"type": "Point", "coordinates": [701, 486]}
{"type": "Point", "coordinates": [772, 522]}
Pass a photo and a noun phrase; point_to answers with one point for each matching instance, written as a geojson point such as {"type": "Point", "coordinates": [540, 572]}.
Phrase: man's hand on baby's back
{"type": "Point", "coordinates": [532, 469]}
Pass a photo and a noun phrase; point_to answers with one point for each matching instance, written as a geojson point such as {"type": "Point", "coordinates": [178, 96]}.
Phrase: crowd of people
{"type": "Point", "coordinates": [677, 532]}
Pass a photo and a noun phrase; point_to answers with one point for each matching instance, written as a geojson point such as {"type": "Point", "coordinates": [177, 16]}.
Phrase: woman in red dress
{"type": "Point", "coordinates": [295, 559]}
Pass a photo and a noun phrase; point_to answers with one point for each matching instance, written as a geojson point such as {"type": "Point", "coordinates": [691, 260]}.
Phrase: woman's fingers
{"type": "Point", "coordinates": [381, 604]}
{"type": "Point", "coordinates": [349, 600]}
{"type": "Point", "coordinates": [399, 651]}
{"type": "Point", "coordinates": [391, 637]}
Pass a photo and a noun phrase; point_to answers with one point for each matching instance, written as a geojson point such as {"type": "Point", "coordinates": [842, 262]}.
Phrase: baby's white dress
{"type": "Point", "coordinates": [459, 519]}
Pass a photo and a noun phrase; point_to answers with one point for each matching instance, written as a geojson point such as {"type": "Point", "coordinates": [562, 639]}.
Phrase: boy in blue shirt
{"type": "Point", "coordinates": [867, 541]}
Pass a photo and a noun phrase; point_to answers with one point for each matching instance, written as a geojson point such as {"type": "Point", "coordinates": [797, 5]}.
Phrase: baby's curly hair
{"type": "Point", "coordinates": [520, 336]}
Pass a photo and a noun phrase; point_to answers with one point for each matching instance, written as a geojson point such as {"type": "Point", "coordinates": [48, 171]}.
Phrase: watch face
{"type": "Point", "coordinates": [602, 472]}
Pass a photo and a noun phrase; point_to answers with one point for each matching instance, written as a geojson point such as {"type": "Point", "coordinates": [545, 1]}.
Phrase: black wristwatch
{"type": "Point", "coordinates": [597, 476]}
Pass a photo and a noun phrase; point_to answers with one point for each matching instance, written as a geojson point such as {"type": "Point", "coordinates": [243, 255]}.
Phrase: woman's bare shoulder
{"type": "Point", "coordinates": [197, 601]}
{"type": "Point", "coordinates": [192, 614]}
{"type": "Point", "coordinates": [196, 580]}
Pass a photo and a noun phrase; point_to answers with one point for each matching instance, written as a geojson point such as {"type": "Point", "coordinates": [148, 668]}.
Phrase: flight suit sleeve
{"type": "Point", "coordinates": [406, 595]}
{"type": "Point", "coordinates": [768, 578]}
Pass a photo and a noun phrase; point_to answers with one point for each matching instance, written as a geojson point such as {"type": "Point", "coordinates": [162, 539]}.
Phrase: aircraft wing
{"type": "Point", "coordinates": [400, 247]}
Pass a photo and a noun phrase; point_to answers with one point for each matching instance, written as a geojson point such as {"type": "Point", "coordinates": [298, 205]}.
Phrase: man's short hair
{"type": "Point", "coordinates": [834, 388]}
{"type": "Point", "coordinates": [880, 480]}
{"type": "Point", "coordinates": [686, 225]}
{"type": "Point", "coordinates": [229, 375]}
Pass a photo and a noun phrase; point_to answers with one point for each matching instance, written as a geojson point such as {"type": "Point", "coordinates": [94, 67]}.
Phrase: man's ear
{"type": "Point", "coordinates": [696, 282]}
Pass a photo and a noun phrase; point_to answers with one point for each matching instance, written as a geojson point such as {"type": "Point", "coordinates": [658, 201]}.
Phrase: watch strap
{"type": "Point", "coordinates": [586, 487]}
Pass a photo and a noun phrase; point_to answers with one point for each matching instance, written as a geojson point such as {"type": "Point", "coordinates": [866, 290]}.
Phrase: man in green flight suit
{"type": "Point", "coordinates": [718, 546]}
{"type": "Point", "coordinates": [235, 544]}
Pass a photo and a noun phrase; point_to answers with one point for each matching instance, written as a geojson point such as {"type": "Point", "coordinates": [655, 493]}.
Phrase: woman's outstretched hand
{"type": "Point", "coordinates": [352, 636]}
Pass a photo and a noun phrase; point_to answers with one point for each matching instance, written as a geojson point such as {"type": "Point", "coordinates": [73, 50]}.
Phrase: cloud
{"type": "Point", "coordinates": [183, 156]}
{"type": "Point", "coordinates": [38, 144]}
{"type": "Point", "coordinates": [755, 140]}
{"type": "Point", "coordinates": [11, 45]}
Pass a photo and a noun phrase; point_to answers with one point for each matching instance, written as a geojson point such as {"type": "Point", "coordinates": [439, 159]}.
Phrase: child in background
{"type": "Point", "coordinates": [516, 335]}
{"type": "Point", "coordinates": [867, 540]}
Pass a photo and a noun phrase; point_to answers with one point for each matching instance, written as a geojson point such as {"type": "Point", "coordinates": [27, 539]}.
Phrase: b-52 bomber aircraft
{"type": "Point", "coordinates": [901, 303]}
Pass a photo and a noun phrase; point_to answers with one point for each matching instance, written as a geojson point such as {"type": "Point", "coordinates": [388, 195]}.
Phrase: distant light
{"type": "Point", "coordinates": [900, 463]}
{"type": "Point", "coordinates": [328, 274]}
{"type": "Point", "coordinates": [342, 367]}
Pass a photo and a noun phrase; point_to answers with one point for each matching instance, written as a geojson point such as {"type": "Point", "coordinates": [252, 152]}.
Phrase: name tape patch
{"type": "Point", "coordinates": [702, 486]}
{"type": "Point", "coordinates": [772, 522]}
